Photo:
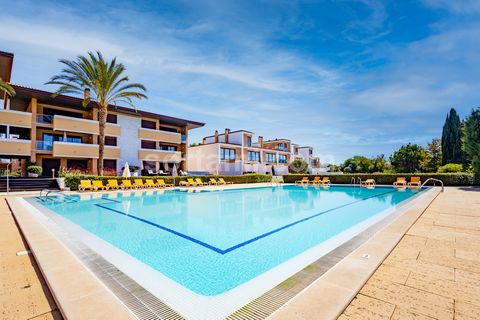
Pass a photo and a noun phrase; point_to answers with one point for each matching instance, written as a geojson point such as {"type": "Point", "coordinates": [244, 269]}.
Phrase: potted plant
{"type": "Point", "coordinates": [134, 170]}
{"type": "Point", "coordinates": [34, 171]}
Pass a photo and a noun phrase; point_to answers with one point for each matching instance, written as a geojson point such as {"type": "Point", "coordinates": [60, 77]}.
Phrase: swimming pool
{"type": "Point", "coordinates": [211, 242]}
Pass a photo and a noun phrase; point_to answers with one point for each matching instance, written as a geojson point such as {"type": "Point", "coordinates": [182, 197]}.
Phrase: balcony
{"type": "Point", "coordinates": [159, 155]}
{"type": "Point", "coordinates": [43, 145]}
{"type": "Point", "coordinates": [44, 118]}
{"type": "Point", "coordinates": [111, 152]}
{"type": "Point", "coordinates": [63, 123]}
{"type": "Point", "coordinates": [159, 135]}
{"type": "Point", "coordinates": [16, 118]}
{"type": "Point", "coordinates": [83, 150]}
{"type": "Point", "coordinates": [75, 150]}
{"type": "Point", "coordinates": [15, 147]}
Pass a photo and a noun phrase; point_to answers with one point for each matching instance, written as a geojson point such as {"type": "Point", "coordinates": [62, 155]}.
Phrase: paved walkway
{"type": "Point", "coordinates": [434, 272]}
{"type": "Point", "coordinates": [23, 291]}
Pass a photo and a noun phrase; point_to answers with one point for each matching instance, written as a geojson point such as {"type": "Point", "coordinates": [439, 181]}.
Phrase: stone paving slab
{"type": "Point", "coordinates": [23, 291]}
{"type": "Point", "coordinates": [434, 271]}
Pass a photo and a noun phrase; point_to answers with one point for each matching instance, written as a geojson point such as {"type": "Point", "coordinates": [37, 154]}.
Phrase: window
{"type": "Point", "coordinates": [249, 141]}
{"type": "Point", "coordinates": [147, 124]}
{"type": "Point", "coordinates": [168, 148]}
{"type": "Point", "coordinates": [227, 154]}
{"type": "Point", "coordinates": [253, 156]}
{"type": "Point", "coordinates": [282, 147]}
{"type": "Point", "coordinates": [270, 157]}
{"type": "Point", "coordinates": [74, 139]}
{"type": "Point", "coordinates": [77, 164]}
{"type": "Point", "coordinates": [111, 118]}
{"type": "Point", "coordinates": [110, 141]}
{"type": "Point", "coordinates": [168, 129]}
{"type": "Point", "coordinates": [110, 164]}
{"type": "Point", "coordinates": [148, 144]}
{"type": "Point", "coordinates": [282, 158]}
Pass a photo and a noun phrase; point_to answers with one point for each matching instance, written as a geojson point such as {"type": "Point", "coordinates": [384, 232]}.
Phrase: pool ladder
{"type": "Point", "coordinates": [56, 192]}
{"type": "Point", "coordinates": [434, 182]}
{"type": "Point", "coordinates": [356, 181]}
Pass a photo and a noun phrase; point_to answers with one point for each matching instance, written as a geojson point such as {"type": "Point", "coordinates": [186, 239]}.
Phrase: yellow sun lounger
{"type": "Point", "coordinates": [86, 184]}
{"type": "Point", "coordinates": [368, 183]}
{"type": "Point", "coordinates": [213, 181]}
{"type": "Point", "coordinates": [415, 181]}
{"type": "Point", "coordinates": [188, 183]}
{"type": "Point", "coordinates": [304, 180]}
{"type": "Point", "coordinates": [127, 184]}
{"type": "Point", "coordinates": [161, 184]}
{"type": "Point", "coordinates": [98, 184]}
{"type": "Point", "coordinates": [325, 181]}
{"type": "Point", "coordinates": [401, 181]}
{"type": "Point", "coordinates": [199, 182]}
{"type": "Point", "coordinates": [221, 181]}
{"type": "Point", "coordinates": [113, 184]}
{"type": "Point", "coordinates": [139, 183]}
{"type": "Point", "coordinates": [315, 180]}
{"type": "Point", "coordinates": [149, 183]}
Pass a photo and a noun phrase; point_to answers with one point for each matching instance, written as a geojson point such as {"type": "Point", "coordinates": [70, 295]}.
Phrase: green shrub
{"type": "Point", "coordinates": [73, 180]}
{"type": "Point", "coordinates": [34, 169]}
{"type": "Point", "coordinates": [450, 168]}
{"type": "Point", "coordinates": [449, 179]}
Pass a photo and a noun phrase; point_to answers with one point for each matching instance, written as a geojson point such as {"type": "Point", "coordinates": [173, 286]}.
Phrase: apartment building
{"type": "Point", "coordinates": [237, 152]}
{"type": "Point", "coordinates": [60, 132]}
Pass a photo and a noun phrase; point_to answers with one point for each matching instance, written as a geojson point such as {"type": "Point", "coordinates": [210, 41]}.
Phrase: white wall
{"type": "Point", "coordinates": [236, 137]}
{"type": "Point", "coordinates": [203, 158]}
{"type": "Point", "coordinates": [128, 141]}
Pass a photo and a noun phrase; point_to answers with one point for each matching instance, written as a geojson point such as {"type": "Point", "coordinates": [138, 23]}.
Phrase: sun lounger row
{"type": "Point", "coordinates": [112, 184]}
{"type": "Point", "coordinates": [197, 182]}
{"type": "Point", "coordinates": [316, 180]}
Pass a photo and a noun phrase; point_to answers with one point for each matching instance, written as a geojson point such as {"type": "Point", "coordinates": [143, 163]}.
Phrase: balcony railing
{"type": "Point", "coordinates": [44, 118]}
{"type": "Point", "coordinates": [44, 145]}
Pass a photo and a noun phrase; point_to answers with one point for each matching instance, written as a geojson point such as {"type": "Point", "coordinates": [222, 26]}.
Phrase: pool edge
{"type": "Point", "coordinates": [344, 280]}
{"type": "Point", "coordinates": [65, 275]}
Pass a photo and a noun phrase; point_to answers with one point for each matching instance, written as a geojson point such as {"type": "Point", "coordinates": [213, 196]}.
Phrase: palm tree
{"type": "Point", "coordinates": [107, 82]}
{"type": "Point", "coordinates": [6, 88]}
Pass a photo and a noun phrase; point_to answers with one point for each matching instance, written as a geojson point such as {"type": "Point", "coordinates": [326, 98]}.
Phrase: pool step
{"type": "Point", "coordinates": [27, 184]}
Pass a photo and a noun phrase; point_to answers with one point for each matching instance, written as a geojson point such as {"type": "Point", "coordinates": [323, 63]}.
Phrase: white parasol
{"type": "Point", "coordinates": [126, 171]}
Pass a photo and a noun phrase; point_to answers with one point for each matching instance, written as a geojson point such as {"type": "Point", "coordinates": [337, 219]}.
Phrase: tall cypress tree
{"type": "Point", "coordinates": [451, 139]}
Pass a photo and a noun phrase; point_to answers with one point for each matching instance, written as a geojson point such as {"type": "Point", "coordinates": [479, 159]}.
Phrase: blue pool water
{"type": "Point", "coordinates": [213, 241]}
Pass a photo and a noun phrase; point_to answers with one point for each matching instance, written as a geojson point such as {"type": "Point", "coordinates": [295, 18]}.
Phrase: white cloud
{"type": "Point", "coordinates": [456, 6]}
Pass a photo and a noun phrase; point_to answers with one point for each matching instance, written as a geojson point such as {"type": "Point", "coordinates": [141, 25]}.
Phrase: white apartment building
{"type": "Point", "coordinates": [236, 152]}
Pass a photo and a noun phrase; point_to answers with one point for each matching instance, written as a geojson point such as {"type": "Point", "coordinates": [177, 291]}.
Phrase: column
{"type": "Point", "coordinates": [33, 131]}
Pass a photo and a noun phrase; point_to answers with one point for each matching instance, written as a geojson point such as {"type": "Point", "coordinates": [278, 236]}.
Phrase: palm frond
{"type": "Point", "coordinates": [7, 88]}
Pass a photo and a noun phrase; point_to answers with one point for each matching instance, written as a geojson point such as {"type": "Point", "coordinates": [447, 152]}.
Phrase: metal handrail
{"type": "Point", "coordinates": [434, 182]}
{"type": "Point", "coordinates": [49, 191]}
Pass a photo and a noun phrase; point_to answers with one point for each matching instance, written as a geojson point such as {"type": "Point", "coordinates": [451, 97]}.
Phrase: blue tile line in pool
{"type": "Point", "coordinates": [225, 251]}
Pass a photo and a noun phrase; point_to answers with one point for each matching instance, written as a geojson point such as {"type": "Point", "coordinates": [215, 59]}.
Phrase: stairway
{"type": "Point", "coordinates": [24, 184]}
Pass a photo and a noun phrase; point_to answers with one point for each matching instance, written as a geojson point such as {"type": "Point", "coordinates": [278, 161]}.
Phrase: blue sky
{"type": "Point", "coordinates": [346, 77]}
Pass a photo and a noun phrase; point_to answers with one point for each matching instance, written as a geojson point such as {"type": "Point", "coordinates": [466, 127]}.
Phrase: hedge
{"type": "Point", "coordinates": [72, 181]}
{"type": "Point", "coordinates": [449, 179]}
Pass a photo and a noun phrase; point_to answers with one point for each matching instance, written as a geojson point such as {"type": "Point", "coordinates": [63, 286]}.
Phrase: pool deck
{"type": "Point", "coordinates": [433, 272]}
{"type": "Point", "coordinates": [24, 293]}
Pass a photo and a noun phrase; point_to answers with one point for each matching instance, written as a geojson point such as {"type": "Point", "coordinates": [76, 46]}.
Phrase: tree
{"type": "Point", "coordinates": [106, 80]}
{"type": "Point", "coordinates": [6, 88]}
{"type": "Point", "coordinates": [408, 158]}
{"type": "Point", "coordinates": [361, 164]}
{"type": "Point", "coordinates": [298, 166]}
{"type": "Point", "coordinates": [451, 139]}
{"type": "Point", "coordinates": [471, 139]}
{"type": "Point", "coordinates": [433, 156]}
